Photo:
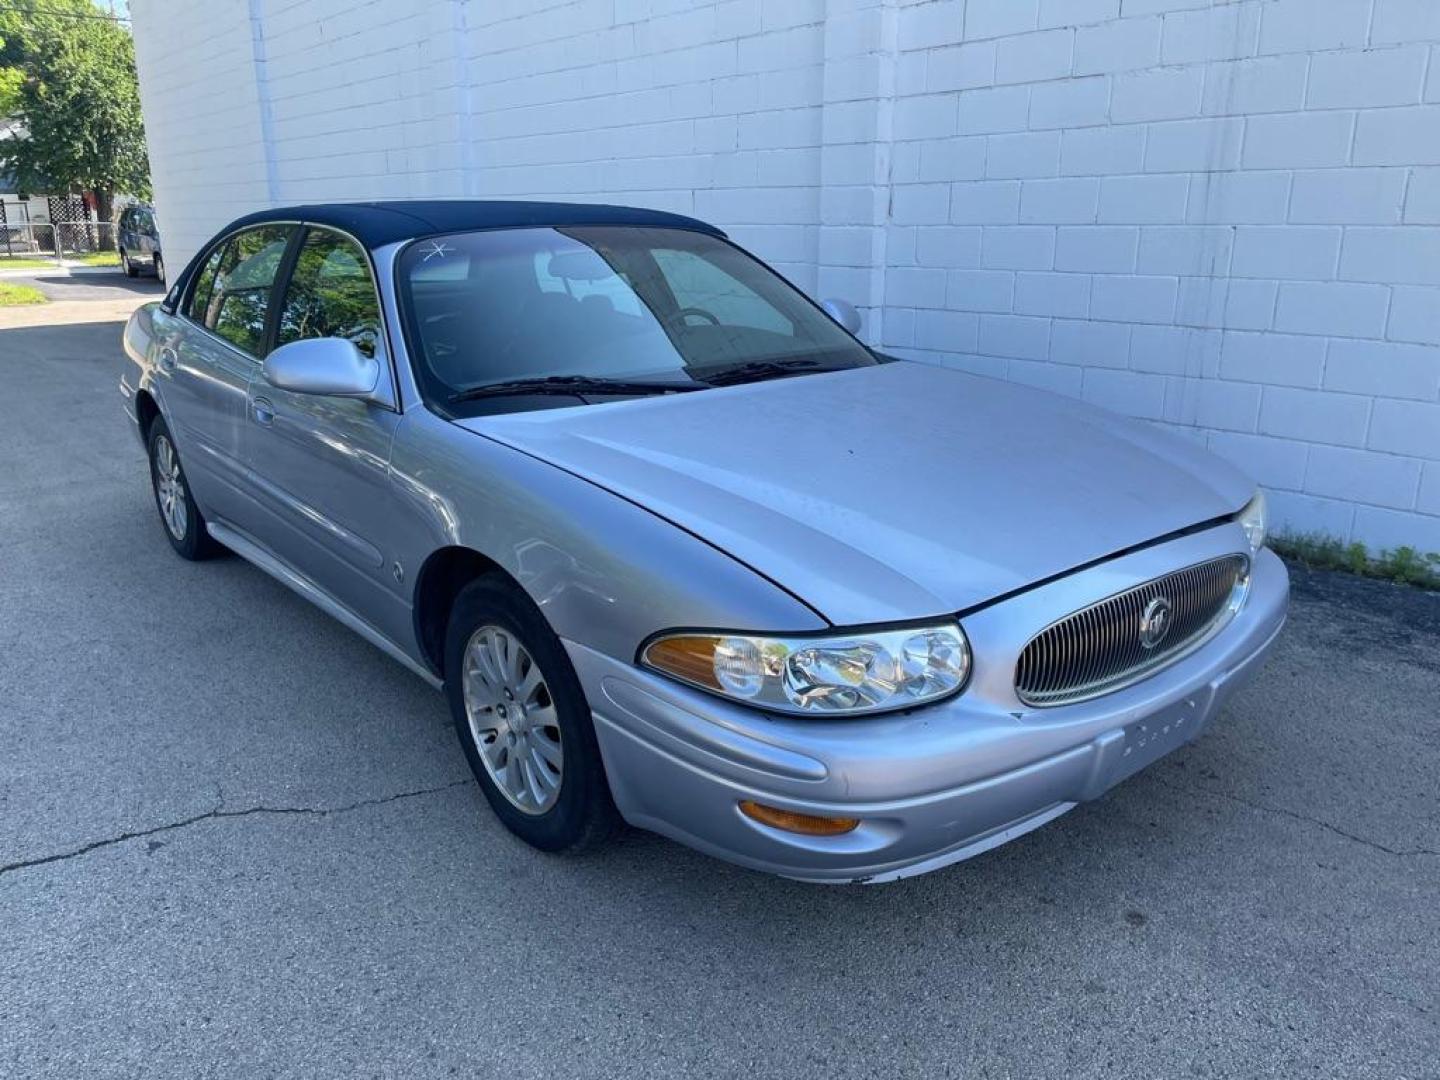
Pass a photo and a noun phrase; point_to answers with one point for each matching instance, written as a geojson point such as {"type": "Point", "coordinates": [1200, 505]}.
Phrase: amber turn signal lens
{"type": "Point", "coordinates": [689, 658]}
{"type": "Point", "coordinates": [790, 821]}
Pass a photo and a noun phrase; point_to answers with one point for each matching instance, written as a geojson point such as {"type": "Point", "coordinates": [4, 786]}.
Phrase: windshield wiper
{"type": "Point", "coordinates": [756, 370]}
{"type": "Point", "coordinates": [572, 384]}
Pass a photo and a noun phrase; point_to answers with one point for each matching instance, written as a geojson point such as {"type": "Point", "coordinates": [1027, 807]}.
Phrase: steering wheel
{"type": "Point", "coordinates": [685, 312]}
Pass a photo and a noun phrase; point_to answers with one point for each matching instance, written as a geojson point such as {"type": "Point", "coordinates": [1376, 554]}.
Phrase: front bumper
{"type": "Point", "coordinates": [937, 784]}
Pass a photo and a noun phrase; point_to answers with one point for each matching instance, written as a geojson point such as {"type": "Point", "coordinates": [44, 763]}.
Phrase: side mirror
{"type": "Point", "coordinates": [843, 312]}
{"type": "Point", "coordinates": [327, 365]}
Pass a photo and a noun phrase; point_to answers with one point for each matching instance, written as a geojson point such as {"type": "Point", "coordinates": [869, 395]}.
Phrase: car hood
{"type": "Point", "coordinates": [890, 492]}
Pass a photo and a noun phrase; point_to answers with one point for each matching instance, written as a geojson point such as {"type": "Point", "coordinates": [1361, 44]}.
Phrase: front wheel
{"type": "Point", "coordinates": [127, 265]}
{"type": "Point", "coordinates": [523, 721]}
{"type": "Point", "coordinates": [159, 268]}
{"type": "Point", "coordinates": [183, 522]}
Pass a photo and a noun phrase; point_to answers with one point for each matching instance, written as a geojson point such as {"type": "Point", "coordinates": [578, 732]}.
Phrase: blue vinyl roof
{"type": "Point", "coordinates": [376, 224]}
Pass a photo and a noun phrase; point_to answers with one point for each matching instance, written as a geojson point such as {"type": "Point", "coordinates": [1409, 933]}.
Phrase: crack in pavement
{"type": "Point", "coordinates": [220, 813]}
{"type": "Point", "coordinates": [1375, 844]}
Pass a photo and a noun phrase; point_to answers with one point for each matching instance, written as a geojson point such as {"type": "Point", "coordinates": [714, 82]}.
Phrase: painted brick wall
{"type": "Point", "coordinates": [202, 123]}
{"type": "Point", "coordinates": [1219, 216]}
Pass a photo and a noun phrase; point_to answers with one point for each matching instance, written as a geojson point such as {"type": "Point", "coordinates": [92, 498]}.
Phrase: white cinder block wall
{"type": "Point", "coordinates": [1220, 216]}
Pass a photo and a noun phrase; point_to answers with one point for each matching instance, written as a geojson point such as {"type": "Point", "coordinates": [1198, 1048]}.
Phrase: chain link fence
{"type": "Point", "coordinates": [55, 239]}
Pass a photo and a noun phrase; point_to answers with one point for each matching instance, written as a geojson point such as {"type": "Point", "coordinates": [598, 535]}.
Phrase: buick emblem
{"type": "Point", "coordinates": [1155, 622]}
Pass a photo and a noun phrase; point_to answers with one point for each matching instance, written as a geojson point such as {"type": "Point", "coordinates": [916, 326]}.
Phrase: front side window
{"type": "Point", "coordinates": [238, 299]}
{"type": "Point", "coordinates": [666, 308]}
{"type": "Point", "coordinates": [331, 294]}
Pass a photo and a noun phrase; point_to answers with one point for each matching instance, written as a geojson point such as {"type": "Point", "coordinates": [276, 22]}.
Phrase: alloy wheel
{"type": "Point", "coordinates": [513, 719]}
{"type": "Point", "coordinates": [170, 488]}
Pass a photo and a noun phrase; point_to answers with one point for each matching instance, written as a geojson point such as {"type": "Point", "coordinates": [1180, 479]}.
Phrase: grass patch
{"type": "Point", "coordinates": [1403, 565]}
{"type": "Point", "coordinates": [18, 262]}
{"type": "Point", "coordinates": [14, 295]}
{"type": "Point", "coordinates": [30, 262]}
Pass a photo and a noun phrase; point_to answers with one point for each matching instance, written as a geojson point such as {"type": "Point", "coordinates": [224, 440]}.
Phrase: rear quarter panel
{"type": "Point", "coordinates": [138, 341]}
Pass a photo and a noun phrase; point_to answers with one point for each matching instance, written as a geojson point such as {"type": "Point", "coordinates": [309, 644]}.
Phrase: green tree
{"type": "Point", "coordinates": [67, 73]}
{"type": "Point", "coordinates": [10, 81]}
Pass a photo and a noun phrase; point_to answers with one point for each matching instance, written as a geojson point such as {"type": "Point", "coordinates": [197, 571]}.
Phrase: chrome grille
{"type": "Point", "coordinates": [1099, 648]}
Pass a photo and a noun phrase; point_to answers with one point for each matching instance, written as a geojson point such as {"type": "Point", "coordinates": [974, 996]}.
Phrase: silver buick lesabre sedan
{"type": "Point", "coordinates": [679, 549]}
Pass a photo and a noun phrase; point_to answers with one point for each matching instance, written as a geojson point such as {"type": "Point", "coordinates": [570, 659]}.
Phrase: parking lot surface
{"type": "Point", "coordinates": [236, 840]}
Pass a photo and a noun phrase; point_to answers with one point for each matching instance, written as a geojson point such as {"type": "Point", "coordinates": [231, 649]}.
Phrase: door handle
{"type": "Point", "coordinates": [264, 411]}
{"type": "Point", "coordinates": [168, 359]}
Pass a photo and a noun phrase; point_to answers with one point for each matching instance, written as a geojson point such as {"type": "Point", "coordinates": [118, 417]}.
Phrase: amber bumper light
{"type": "Point", "coordinates": [790, 821]}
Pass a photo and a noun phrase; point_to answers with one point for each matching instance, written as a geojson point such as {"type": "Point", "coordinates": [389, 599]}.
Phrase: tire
{"type": "Point", "coordinates": [128, 266]}
{"type": "Point", "coordinates": [575, 812]}
{"type": "Point", "coordinates": [159, 268]}
{"type": "Point", "coordinates": [181, 519]}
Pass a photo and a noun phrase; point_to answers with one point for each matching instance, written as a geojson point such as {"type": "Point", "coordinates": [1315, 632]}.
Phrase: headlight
{"type": "Point", "coordinates": [1253, 519]}
{"type": "Point", "coordinates": [842, 674]}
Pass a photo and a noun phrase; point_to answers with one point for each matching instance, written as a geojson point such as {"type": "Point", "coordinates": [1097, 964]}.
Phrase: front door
{"type": "Point", "coordinates": [207, 357]}
{"type": "Point", "coordinates": [320, 464]}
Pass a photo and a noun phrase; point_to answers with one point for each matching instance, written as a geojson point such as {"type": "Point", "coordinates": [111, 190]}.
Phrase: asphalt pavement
{"type": "Point", "coordinates": [236, 840]}
{"type": "Point", "coordinates": [89, 284]}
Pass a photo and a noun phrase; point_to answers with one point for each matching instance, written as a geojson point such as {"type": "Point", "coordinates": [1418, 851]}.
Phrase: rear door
{"type": "Point", "coordinates": [204, 369]}
{"type": "Point", "coordinates": [321, 464]}
{"type": "Point", "coordinates": [144, 235]}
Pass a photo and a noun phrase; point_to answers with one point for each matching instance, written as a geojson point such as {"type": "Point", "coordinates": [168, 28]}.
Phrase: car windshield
{"type": "Point", "coordinates": [578, 308]}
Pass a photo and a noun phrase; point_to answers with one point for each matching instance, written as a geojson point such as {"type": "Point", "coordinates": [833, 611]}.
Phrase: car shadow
{"type": "Point", "coordinates": [99, 279]}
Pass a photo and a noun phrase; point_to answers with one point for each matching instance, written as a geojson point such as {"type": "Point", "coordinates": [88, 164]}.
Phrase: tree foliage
{"type": "Point", "coordinates": [68, 76]}
{"type": "Point", "coordinates": [10, 80]}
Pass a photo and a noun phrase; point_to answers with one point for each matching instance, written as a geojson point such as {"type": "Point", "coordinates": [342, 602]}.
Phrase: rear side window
{"type": "Point", "coordinates": [331, 294]}
{"type": "Point", "coordinates": [204, 285]}
{"type": "Point", "coordinates": [237, 300]}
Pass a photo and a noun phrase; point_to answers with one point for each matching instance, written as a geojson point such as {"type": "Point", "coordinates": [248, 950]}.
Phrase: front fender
{"type": "Point", "coordinates": [606, 573]}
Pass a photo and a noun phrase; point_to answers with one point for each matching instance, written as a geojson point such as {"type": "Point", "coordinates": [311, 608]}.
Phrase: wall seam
{"type": "Point", "coordinates": [262, 98]}
{"type": "Point", "coordinates": [464, 103]}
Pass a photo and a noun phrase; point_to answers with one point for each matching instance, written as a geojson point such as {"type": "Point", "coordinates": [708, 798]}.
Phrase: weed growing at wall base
{"type": "Point", "coordinates": [1404, 565]}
